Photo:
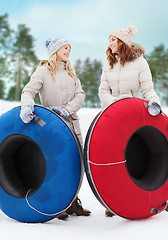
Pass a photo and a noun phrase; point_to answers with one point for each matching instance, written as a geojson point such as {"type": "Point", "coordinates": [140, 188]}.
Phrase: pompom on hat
{"type": "Point", "coordinates": [53, 45]}
{"type": "Point", "coordinates": [124, 34]}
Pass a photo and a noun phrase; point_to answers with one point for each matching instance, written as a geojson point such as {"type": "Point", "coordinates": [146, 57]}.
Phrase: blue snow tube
{"type": "Point", "coordinates": [40, 166]}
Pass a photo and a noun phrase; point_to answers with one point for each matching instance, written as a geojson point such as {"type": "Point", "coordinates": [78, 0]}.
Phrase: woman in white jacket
{"type": "Point", "coordinates": [126, 73]}
{"type": "Point", "coordinates": [60, 90]}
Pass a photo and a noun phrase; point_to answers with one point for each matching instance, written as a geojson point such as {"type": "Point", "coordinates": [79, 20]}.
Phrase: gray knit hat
{"type": "Point", "coordinates": [53, 45]}
{"type": "Point", "coordinates": [124, 34]}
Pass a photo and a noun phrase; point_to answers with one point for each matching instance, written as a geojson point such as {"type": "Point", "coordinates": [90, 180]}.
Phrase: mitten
{"type": "Point", "coordinates": [62, 112]}
{"type": "Point", "coordinates": [154, 109]}
{"type": "Point", "coordinates": [26, 113]}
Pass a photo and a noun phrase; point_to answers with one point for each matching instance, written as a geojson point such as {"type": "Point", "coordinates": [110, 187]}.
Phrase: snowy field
{"type": "Point", "coordinates": [96, 226]}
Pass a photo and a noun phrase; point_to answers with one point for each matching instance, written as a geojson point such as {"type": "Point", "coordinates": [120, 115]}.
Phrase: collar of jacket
{"type": "Point", "coordinates": [137, 51]}
{"type": "Point", "coordinates": [61, 65]}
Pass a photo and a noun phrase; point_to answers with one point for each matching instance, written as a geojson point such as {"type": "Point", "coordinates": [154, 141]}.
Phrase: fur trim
{"type": "Point", "coordinates": [137, 51]}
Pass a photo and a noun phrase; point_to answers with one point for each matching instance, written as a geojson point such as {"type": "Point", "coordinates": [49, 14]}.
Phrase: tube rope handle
{"type": "Point", "coordinates": [156, 210]}
{"type": "Point", "coordinates": [42, 213]}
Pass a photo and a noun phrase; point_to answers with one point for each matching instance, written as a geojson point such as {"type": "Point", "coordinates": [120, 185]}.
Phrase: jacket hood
{"type": "Point", "coordinates": [137, 51]}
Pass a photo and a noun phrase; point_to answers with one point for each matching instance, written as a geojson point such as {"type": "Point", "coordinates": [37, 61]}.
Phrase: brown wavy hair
{"type": "Point", "coordinates": [125, 54]}
{"type": "Point", "coordinates": [52, 66]}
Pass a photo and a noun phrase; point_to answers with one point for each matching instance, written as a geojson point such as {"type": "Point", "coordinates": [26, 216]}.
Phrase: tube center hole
{"type": "Point", "coordinates": [146, 157]}
{"type": "Point", "coordinates": [22, 165]}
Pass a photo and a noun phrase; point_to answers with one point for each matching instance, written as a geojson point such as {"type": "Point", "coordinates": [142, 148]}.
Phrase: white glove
{"type": "Point", "coordinates": [154, 107]}
{"type": "Point", "coordinates": [26, 113]}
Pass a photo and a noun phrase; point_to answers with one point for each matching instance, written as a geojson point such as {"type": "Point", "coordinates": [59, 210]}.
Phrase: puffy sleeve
{"type": "Point", "coordinates": [32, 87]}
{"type": "Point", "coordinates": [76, 103]}
{"type": "Point", "coordinates": [105, 92]}
{"type": "Point", "coordinates": [146, 84]}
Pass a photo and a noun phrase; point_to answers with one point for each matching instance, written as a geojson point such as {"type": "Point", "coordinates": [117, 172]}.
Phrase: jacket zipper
{"type": "Point", "coordinates": [119, 71]}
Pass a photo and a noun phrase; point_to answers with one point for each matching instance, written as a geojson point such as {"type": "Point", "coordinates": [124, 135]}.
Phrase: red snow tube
{"type": "Point", "coordinates": [126, 159]}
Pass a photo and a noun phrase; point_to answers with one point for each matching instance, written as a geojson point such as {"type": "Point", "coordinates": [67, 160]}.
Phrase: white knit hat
{"type": "Point", "coordinates": [124, 34]}
{"type": "Point", "coordinates": [53, 45]}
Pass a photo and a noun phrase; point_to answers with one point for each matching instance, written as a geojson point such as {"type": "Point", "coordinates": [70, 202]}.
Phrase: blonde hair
{"type": "Point", "coordinates": [53, 65]}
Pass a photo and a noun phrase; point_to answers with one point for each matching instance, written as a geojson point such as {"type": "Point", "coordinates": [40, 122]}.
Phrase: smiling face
{"type": "Point", "coordinates": [113, 44]}
{"type": "Point", "coordinates": [63, 53]}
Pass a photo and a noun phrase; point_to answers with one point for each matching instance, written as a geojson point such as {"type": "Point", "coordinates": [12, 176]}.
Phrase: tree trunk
{"type": "Point", "coordinates": [18, 77]}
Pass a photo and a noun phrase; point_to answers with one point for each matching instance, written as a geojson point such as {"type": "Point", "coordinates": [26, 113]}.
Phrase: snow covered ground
{"type": "Point", "coordinates": [96, 226]}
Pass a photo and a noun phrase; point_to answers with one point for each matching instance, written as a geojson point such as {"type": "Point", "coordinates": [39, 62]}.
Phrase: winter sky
{"type": "Point", "coordinates": [87, 23]}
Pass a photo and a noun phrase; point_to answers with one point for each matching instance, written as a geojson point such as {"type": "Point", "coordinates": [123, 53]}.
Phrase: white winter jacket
{"type": "Point", "coordinates": [127, 80]}
{"type": "Point", "coordinates": [63, 92]}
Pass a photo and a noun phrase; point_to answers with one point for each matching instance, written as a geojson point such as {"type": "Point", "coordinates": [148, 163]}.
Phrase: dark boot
{"type": "Point", "coordinates": [62, 216]}
{"type": "Point", "coordinates": [77, 208]}
{"type": "Point", "coordinates": [108, 213]}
